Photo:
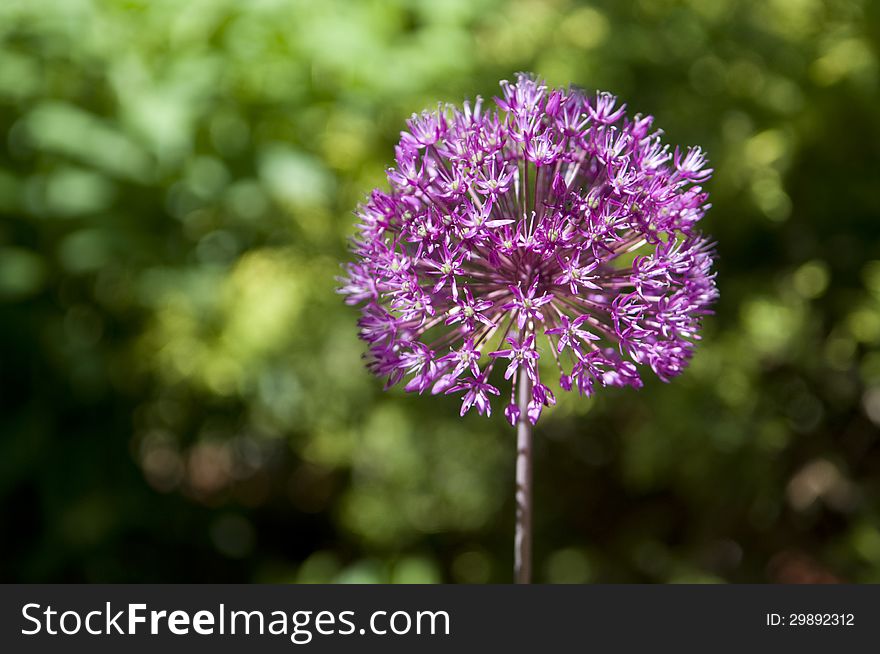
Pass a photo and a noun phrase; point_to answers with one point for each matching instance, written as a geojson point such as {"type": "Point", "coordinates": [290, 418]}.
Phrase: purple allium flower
{"type": "Point", "coordinates": [554, 225]}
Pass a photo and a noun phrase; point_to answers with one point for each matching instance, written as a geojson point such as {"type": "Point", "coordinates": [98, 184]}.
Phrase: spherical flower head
{"type": "Point", "coordinates": [552, 227]}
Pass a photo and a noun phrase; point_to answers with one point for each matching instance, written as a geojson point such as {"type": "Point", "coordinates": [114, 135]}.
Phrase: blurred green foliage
{"type": "Point", "coordinates": [182, 392]}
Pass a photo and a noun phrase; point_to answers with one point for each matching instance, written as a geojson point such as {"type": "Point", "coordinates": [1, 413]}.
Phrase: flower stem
{"type": "Point", "coordinates": [522, 544]}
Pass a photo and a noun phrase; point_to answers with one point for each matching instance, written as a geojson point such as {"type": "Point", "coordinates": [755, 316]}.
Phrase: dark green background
{"type": "Point", "coordinates": [182, 392]}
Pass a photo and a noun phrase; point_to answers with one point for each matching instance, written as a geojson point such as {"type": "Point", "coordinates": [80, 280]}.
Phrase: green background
{"type": "Point", "coordinates": [182, 392]}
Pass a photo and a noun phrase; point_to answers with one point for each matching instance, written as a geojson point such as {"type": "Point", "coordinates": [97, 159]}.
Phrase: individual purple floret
{"type": "Point", "coordinates": [556, 225]}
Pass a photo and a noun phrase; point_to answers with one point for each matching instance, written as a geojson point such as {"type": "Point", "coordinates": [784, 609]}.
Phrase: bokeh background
{"type": "Point", "coordinates": [182, 392]}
